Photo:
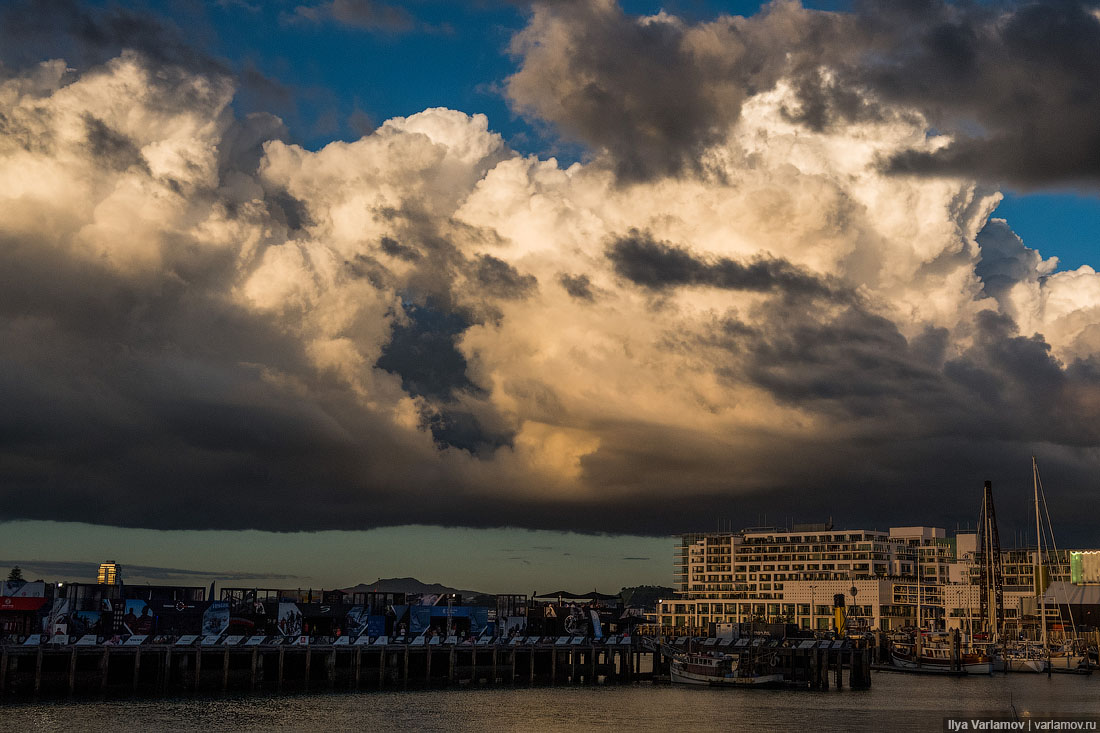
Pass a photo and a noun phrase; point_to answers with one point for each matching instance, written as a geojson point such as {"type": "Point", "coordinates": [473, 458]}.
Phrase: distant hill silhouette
{"type": "Point", "coordinates": [410, 585]}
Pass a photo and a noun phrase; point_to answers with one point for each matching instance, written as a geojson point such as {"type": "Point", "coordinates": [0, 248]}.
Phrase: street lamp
{"type": "Point", "coordinates": [813, 610]}
{"type": "Point", "coordinates": [450, 618]}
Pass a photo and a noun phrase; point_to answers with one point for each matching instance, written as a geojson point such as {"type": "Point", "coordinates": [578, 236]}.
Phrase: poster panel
{"type": "Point", "coordinates": [376, 625]}
{"type": "Point", "coordinates": [22, 589]}
{"type": "Point", "coordinates": [290, 619]}
{"type": "Point", "coordinates": [355, 623]}
{"type": "Point", "coordinates": [479, 619]}
{"type": "Point", "coordinates": [514, 625]}
{"type": "Point", "coordinates": [87, 623]}
{"type": "Point", "coordinates": [420, 619]}
{"type": "Point", "coordinates": [215, 619]}
{"type": "Point", "coordinates": [56, 621]}
{"type": "Point", "coordinates": [138, 618]}
{"type": "Point", "coordinates": [597, 627]}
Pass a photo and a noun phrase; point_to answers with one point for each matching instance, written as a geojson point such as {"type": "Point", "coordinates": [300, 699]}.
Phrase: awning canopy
{"type": "Point", "coordinates": [567, 596]}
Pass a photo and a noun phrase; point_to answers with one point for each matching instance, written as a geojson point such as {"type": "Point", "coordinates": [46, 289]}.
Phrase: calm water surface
{"type": "Point", "coordinates": [895, 702]}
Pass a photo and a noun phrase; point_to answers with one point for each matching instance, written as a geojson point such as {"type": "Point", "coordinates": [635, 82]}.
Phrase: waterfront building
{"type": "Point", "coordinates": [794, 576]}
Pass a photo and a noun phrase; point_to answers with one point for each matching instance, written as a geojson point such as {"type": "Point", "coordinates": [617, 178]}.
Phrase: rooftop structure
{"type": "Point", "coordinates": [110, 573]}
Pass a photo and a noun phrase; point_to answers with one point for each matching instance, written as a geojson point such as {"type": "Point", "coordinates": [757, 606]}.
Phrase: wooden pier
{"type": "Point", "coordinates": [57, 671]}
{"type": "Point", "coordinates": [29, 672]}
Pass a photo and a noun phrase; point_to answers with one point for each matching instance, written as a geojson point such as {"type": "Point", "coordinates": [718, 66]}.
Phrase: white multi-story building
{"type": "Point", "coordinates": [794, 575]}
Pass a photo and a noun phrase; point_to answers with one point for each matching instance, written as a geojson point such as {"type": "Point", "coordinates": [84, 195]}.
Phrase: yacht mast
{"type": "Point", "coordinates": [920, 627]}
{"type": "Point", "coordinates": [1039, 556]}
{"type": "Point", "coordinates": [990, 580]}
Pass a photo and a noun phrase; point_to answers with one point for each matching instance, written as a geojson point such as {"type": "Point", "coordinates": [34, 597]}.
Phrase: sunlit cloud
{"type": "Point", "coordinates": [784, 288]}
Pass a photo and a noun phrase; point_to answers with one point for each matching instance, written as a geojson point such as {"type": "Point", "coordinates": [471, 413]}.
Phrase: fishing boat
{"type": "Point", "coordinates": [716, 669]}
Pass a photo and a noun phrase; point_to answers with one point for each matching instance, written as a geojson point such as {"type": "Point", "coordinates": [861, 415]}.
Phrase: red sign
{"type": "Point", "coordinates": [8, 603]}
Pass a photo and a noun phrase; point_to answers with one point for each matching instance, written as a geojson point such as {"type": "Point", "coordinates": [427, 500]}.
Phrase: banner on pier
{"type": "Point", "coordinates": [290, 619]}
{"type": "Point", "coordinates": [215, 620]}
{"type": "Point", "coordinates": [376, 625]}
{"type": "Point", "coordinates": [138, 618]}
{"type": "Point", "coordinates": [355, 623]}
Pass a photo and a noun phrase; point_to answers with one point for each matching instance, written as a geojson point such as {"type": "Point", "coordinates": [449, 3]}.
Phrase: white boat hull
{"type": "Point", "coordinates": [1020, 664]}
{"type": "Point", "coordinates": [1068, 663]}
{"type": "Point", "coordinates": [683, 676]}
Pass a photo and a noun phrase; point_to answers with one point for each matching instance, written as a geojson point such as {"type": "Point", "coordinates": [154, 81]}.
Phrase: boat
{"type": "Point", "coordinates": [1066, 658]}
{"type": "Point", "coordinates": [939, 659]}
{"type": "Point", "coordinates": [938, 655]}
{"type": "Point", "coordinates": [721, 670]}
{"type": "Point", "coordinates": [1020, 659]}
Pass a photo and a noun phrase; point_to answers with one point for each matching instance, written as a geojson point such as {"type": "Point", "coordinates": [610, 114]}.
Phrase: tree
{"type": "Point", "coordinates": [16, 575]}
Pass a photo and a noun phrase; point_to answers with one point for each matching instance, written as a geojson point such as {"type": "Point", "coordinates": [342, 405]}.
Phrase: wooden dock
{"type": "Point", "coordinates": [30, 672]}
{"type": "Point", "coordinates": [53, 671]}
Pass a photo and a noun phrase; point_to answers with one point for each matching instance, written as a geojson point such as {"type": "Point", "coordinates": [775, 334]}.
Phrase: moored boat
{"type": "Point", "coordinates": [719, 670]}
{"type": "Point", "coordinates": [1020, 660]}
{"type": "Point", "coordinates": [939, 660]}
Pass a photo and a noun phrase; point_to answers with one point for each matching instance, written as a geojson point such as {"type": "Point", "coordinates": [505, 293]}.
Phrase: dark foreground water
{"type": "Point", "coordinates": [895, 702]}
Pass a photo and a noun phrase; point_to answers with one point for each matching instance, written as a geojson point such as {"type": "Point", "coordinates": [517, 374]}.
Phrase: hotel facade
{"type": "Point", "coordinates": [794, 575]}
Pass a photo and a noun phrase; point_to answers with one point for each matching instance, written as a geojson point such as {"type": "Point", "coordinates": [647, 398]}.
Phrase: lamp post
{"type": "Point", "coordinates": [853, 590]}
{"type": "Point", "coordinates": [450, 618]}
{"type": "Point", "coordinates": [813, 610]}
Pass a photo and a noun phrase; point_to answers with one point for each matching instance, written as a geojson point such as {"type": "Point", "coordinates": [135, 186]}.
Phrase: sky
{"type": "Point", "coordinates": [325, 291]}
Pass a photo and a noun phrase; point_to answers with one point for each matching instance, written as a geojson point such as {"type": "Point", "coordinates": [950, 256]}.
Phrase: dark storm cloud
{"type": "Point", "coordinates": [851, 365]}
{"type": "Point", "coordinates": [1013, 83]}
{"type": "Point", "coordinates": [655, 94]}
{"type": "Point", "coordinates": [423, 353]}
{"type": "Point", "coordinates": [110, 147]}
{"type": "Point", "coordinates": [34, 30]}
{"type": "Point", "coordinates": [395, 249]}
{"type": "Point", "coordinates": [501, 279]}
{"type": "Point", "coordinates": [658, 265]}
{"type": "Point", "coordinates": [899, 422]}
{"type": "Point", "coordinates": [578, 286]}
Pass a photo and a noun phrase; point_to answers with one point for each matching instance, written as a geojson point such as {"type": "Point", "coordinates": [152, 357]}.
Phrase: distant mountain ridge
{"type": "Point", "coordinates": [409, 585]}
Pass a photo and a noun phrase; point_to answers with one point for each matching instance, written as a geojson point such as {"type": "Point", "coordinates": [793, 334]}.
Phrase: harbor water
{"type": "Point", "coordinates": [895, 702]}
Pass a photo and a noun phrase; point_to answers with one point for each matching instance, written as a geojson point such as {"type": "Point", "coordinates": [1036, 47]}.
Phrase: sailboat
{"type": "Point", "coordinates": [1042, 656]}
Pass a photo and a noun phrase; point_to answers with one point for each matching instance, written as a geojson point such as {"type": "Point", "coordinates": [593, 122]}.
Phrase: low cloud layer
{"type": "Point", "coordinates": [205, 326]}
